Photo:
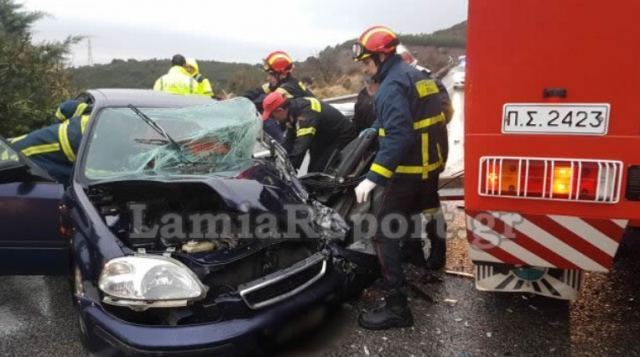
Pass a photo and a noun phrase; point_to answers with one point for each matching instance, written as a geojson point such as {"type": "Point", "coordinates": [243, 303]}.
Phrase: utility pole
{"type": "Point", "coordinates": [89, 52]}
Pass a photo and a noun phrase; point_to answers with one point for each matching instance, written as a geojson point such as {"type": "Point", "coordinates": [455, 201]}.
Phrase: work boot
{"type": "Point", "coordinates": [412, 252]}
{"type": "Point", "coordinates": [393, 313]}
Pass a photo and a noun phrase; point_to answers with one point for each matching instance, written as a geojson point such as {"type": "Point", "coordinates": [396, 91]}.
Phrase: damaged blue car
{"type": "Point", "coordinates": [184, 229]}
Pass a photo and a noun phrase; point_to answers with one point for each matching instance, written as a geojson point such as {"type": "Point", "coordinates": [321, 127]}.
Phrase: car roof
{"type": "Point", "coordinates": [144, 98]}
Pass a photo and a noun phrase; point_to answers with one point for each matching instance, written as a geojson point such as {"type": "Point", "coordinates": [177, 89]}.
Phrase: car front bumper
{"type": "Point", "coordinates": [109, 335]}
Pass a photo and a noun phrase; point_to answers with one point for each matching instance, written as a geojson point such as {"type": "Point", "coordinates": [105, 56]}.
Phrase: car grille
{"type": "Point", "coordinates": [282, 284]}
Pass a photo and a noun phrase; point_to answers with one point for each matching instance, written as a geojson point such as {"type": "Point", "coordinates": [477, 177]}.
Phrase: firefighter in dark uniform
{"type": "Point", "coordinates": [438, 246]}
{"type": "Point", "coordinates": [311, 125]}
{"type": "Point", "coordinates": [363, 113]}
{"type": "Point", "coordinates": [411, 155]}
{"type": "Point", "coordinates": [363, 118]}
{"type": "Point", "coordinates": [66, 110]}
{"type": "Point", "coordinates": [54, 148]}
{"type": "Point", "coordinates": [408, 57]}
{"type": "Point", "coordinates": [278, 65]}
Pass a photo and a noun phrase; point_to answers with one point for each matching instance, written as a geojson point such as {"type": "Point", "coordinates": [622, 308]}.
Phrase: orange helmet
{"type": "Point", "coordinates": [376, 39]}
{"type": "Point", "coordinates": [279, 62]}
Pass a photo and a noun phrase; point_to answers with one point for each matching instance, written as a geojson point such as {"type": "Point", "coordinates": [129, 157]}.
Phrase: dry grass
{"type": "Point", "coordinates": [342, 86]}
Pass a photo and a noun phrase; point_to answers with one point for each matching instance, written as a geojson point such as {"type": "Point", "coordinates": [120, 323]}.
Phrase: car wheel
{"type": "Point", "coordinates": [75, 280]}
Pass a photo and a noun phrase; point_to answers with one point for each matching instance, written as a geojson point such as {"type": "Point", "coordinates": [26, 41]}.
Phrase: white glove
{"type": "Point", "coordinates": [364, 189]}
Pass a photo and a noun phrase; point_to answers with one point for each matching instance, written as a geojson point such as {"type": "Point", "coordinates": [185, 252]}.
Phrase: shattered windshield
{"type": "Point", "coordinates": [211, 138]}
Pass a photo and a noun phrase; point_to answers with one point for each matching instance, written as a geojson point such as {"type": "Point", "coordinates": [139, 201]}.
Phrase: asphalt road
{"type": "Point", "coordinates": [604, 321]}
{"type": "Point", "coordinates": [37, 317]}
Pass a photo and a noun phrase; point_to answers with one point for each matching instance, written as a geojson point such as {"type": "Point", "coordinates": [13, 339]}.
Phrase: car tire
{"type": "Point", "coordinates": [83, 332]}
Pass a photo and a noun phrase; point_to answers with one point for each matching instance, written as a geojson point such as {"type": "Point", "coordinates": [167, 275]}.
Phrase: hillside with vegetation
{"type": "Point", "coordinates": [334, 73]}
{"type": "Point", "coordinates": [142, 74]}
{"type": "Point", "coordinates": [332, 70]}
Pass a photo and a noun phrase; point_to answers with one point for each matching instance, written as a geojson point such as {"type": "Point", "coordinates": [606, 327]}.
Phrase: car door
{"type": "Point", "coordinates": [30, 238]}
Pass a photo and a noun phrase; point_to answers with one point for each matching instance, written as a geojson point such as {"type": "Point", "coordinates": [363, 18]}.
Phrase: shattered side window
{"type": "Point", "coordinates": [7, 155]}
{"type": "Point", "coordinates": [210, 138]}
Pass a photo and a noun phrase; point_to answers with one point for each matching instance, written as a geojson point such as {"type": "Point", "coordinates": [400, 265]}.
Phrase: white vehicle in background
{"type": "Point", "coordinates": [459, 73]}
{"type": "Point", "coordinates": [347, 109]}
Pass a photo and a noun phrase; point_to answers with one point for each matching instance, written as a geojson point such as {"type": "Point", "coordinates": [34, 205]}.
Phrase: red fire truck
{"type": "Point", "coordinates": [552, 140]}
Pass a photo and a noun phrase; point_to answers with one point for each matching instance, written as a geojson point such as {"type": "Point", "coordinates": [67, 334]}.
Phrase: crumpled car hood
{"type": "Point", "coordinates": [259, 187]}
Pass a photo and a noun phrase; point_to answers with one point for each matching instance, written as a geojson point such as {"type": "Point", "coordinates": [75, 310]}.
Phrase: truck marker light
{"type": "Point", "coordinates": [562, 180]}
{"type": "Point", "coordinates": [582, 180]}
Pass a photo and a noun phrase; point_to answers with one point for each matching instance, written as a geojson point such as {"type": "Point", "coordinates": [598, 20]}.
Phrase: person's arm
{"type": "Point", "coordinates": [307, 128]}
{"type": "Point", "coordinates": [272, 127]}
{"type": "Point", "coordinates": [292, 88]}
{"type": "Point", "coordinates": [157, 86]}
{"type": "Point", "coordinates": [255, 93]}
{"type": "Point", "coordinates": [289, 138]}
{"type": "Point", "coordinates": [395, 118]}
{"type": "Point", "coordinates": [363, 115]}
{"type": "Point", "coordinates": [206, 88]}
{"type": "Point", "coordinates": [284, 92]}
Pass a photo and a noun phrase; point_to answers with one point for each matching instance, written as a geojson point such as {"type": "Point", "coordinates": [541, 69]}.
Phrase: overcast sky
{"type": "Point", "coordinates": [232, 30]}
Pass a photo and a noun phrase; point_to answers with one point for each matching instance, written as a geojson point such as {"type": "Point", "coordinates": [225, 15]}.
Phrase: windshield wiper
{"type": "Point", "coordinates": [155, 126]}
{"type": "Point", "coordinates": [160, 130]}
{"type": "Point", "coordinates": [152, 141]}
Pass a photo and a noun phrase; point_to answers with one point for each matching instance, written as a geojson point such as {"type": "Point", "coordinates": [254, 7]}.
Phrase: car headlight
{"type": "Point", "coordinates": [149, 281]}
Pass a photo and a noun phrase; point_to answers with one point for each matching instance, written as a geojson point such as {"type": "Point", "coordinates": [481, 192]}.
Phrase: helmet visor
{"type": "Point", "coordinates": [359, 52]}
{"type": "Point", "coordinates": [265, 66]}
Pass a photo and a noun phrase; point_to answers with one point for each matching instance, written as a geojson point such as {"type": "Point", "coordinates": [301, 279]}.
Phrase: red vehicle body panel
{"type": "Point", "coordinates": [515, 50]}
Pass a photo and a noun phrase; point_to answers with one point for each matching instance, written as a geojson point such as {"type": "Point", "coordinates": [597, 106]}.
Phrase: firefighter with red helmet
{"type": "Point", "coordinates": [278, 65]}
{"type": "Point", "coordinates": [411, 155]}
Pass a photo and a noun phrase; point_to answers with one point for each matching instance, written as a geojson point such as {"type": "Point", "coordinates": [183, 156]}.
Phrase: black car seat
{"type": "Point", "coordinates": [353, 158]}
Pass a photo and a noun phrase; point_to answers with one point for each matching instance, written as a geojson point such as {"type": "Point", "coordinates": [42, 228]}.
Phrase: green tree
{"type": "Point", "coordinates": [33, 76]}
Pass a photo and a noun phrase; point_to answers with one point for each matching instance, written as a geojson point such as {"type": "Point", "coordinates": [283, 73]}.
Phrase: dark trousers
{"type": "Point", "coordinates": [406, 198]}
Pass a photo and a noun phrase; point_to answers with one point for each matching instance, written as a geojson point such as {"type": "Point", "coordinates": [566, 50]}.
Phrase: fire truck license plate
{"type": "Point", "coordinates": [532, 118]}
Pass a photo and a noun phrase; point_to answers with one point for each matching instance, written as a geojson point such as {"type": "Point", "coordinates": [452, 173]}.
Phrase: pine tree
{"type": "Point", "coordinates": [33, 77]}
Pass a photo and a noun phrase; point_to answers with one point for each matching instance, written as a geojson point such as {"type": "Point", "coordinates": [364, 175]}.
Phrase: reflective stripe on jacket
{"type": "Point", "coordinates": [54, 148]}
{"type": "Point", "coordinates": [317, 127]}
{"type": "Point", "coordinates": [204, 86]}
{"type": "Point", "coordinates": [411, 124]}
{"type": "Point", "coordinates": [70, 109]}
{"type": "Point", "coordinates": [290, 87]}
{"type": "Point", "coordinates": [177, 81]}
